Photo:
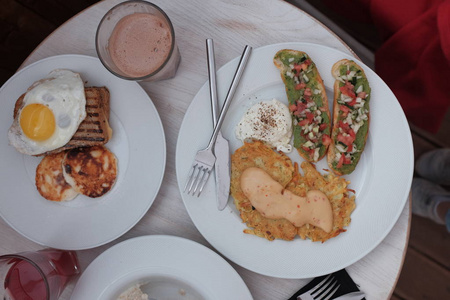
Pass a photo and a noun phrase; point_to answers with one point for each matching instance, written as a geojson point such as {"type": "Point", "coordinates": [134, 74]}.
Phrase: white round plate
{"type": "Point", "coordinates": [173, 268]}
{"type": "Point", "coordinates": [381, 180]}
{"type": "Point", "coordinates": [138, 142]}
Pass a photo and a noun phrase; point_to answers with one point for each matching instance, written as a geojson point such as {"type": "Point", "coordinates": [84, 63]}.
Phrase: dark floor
{"type": "Point", "coordinates": [426, 272]}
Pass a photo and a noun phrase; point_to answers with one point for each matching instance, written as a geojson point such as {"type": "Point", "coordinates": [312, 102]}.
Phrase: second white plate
{"type": "Point", "coordinates": [171, 267]}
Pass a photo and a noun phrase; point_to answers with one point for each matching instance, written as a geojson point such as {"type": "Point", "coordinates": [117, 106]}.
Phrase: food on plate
{"type": "Point", "coordinates": [308, 103]}
{"type": "Point", "coordinates": [49, 113]}
{"type": "Point", "coordinates": [280, 168]}
{"type": "Point", "coordinates": [273, 201]}
{"type": "Point", "coordinates": [267, 121]}
{"type": "Point", "coordinates": [59, 118]}
{"type": "Point", "coordinates": [350, 116]}
{"type": "Point", "coordinates": [133, 293]}
{"type": "Point", "coordinates": [90, 171]}
{"type": "Point", "coordinates": [93, 129]}
{"type": "Point", "coordinates": [337, 191]}
{"type": "Point", "coordinates": [50, 180]}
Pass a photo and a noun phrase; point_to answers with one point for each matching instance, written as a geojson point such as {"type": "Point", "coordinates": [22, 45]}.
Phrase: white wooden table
{"type": "Point", "coordinates": [232, 24]}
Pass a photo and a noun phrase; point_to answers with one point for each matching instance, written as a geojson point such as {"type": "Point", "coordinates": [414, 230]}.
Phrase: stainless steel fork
{"type": "Point", "coordinates": [204, 159]}
{"type": "Point", "coordinates": [324, 290]}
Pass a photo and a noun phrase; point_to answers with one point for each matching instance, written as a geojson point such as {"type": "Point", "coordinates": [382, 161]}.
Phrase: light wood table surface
{"type": "Point", "coordinates": [232, 24]}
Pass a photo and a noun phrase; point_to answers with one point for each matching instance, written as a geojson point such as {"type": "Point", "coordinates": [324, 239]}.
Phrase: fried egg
{"type": "Point", "coordinates": [51, 112]}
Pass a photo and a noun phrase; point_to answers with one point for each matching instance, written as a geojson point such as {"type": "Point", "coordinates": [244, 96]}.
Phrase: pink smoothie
{"type": "Point", "coordinates": [140, 43]}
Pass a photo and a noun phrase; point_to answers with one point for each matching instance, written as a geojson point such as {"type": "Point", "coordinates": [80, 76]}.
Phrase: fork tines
{"type": "Point", "coordinates": [201, 169]}
{"type": "Point", "coordinates": [197, 178]}
{"type": "Point", "coordinates": [325, 289]}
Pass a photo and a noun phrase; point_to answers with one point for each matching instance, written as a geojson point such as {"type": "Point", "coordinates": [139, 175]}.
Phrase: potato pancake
{"type": "Point", "coordinates": [50, 180]}
{"type": "Point", "coordinates": [335, 188]}
{"type": "Point", "coordinates": [91, 171]}
{"type": "Point", "coordinates": [281, 169]}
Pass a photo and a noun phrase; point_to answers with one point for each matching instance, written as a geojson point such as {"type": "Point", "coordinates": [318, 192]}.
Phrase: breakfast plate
{"type": "Point", "coordinates": [138, 142]}
{"type": "Point", "coordinates": [169, 267]}
{"type": "Point", "coordinates": [381, 181]}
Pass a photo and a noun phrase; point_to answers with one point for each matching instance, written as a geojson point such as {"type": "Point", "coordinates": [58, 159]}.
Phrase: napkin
{"type": "Point", "coordinates": [414, 57]}
{"type": "Point", "coordinates": [346, 282]}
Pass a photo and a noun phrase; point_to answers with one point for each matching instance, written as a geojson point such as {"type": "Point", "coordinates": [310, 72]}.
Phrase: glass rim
{"type": "Point", "coordinates": [18, 256]}
{"type": "Point", "coordinates": [172, 47]}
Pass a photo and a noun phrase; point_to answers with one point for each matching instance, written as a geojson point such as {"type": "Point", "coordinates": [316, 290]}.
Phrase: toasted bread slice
{"type": "Point", "coordinates": [95, 129]}
{"type": "Point", "coordinates": [308, 103]}
{"type": "Point", "coordinates": [351, 117]}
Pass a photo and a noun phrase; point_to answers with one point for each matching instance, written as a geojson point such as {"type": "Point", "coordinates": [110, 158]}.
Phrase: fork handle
{"type": "Point", "coordinates": [212, 79]}
{"type": "Point", "coordinates": [234, 83]}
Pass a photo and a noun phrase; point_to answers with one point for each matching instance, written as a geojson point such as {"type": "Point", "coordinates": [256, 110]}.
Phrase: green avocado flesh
{"type": "Point", "coordinates": [293, 95]}
{"type": "Point", "coordinates": [360, 139]}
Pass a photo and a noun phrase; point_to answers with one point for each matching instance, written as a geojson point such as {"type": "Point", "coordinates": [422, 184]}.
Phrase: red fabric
{"type": "Point", "coordinates": [414, 59]}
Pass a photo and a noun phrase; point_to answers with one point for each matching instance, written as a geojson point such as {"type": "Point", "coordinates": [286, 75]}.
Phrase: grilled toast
{"type": "Point", "coordinates": [351, 116]}
{"type": "Point", "coordinates": [95, 129]}
{"type": "Point", "coordinates": [308, 103]}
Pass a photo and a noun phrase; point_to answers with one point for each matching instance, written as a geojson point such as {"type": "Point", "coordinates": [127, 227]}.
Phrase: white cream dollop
{"type": "Point", "coordinates": [268, 121]}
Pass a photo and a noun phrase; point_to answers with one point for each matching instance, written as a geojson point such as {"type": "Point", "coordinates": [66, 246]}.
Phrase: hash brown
{"type": "Point", "coordinates": [281, 169]}
{"type": "Point", "coordinates": [50, 180]}
{"type": "Point", "coordinates": [335, 188]}
{"type": "Point", "coordinates": [91, 171]}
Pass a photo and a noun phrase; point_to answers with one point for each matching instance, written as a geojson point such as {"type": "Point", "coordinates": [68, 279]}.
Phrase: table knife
{"type": "Point", "coordinates": [351, 296]}
{"type": "Point", "coordinates": [221, 147]}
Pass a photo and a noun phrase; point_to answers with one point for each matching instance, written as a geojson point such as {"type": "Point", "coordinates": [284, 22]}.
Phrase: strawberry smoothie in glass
{"type": "Point", "coordinates": [135, 40]}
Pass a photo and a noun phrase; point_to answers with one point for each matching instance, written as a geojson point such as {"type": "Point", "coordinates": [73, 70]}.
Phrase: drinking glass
{"type": "Point", "coordinates": [36, 275]}
{"type": "Point", "coordinates": [164, 70]}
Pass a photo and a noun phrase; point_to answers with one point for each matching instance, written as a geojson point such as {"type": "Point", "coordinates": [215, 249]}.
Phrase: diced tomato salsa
{"type": "Point", "coordinates": [305, 110]}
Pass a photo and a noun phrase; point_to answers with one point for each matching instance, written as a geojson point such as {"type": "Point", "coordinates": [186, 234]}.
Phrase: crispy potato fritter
{"type": "Point", "coordinates": [281, 169]}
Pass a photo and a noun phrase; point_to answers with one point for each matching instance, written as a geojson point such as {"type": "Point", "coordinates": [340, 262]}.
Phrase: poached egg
{"type": "Point", "coordinates": [268, 121]}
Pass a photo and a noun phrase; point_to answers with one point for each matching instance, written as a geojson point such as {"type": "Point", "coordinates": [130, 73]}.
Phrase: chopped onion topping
{"type": "Point", "coordinates": [308, 144]}
{"type": "Point", "coordinates": [351, 75]}
{"type": "Point", "coordinates": [340, 148]}
{"type": "Point", "coordinates": [316, 154]}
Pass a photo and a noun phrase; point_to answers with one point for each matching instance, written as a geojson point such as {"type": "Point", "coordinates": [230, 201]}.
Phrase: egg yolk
{"type": "Point", "coordinates": [37, 122]}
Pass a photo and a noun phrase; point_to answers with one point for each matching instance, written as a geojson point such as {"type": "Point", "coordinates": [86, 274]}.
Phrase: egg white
{"type": "Point", "coordinates": [62, 91]}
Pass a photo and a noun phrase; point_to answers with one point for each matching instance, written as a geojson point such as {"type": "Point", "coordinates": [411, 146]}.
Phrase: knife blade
{"type": "Point", "coordinates": [221, 147]}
